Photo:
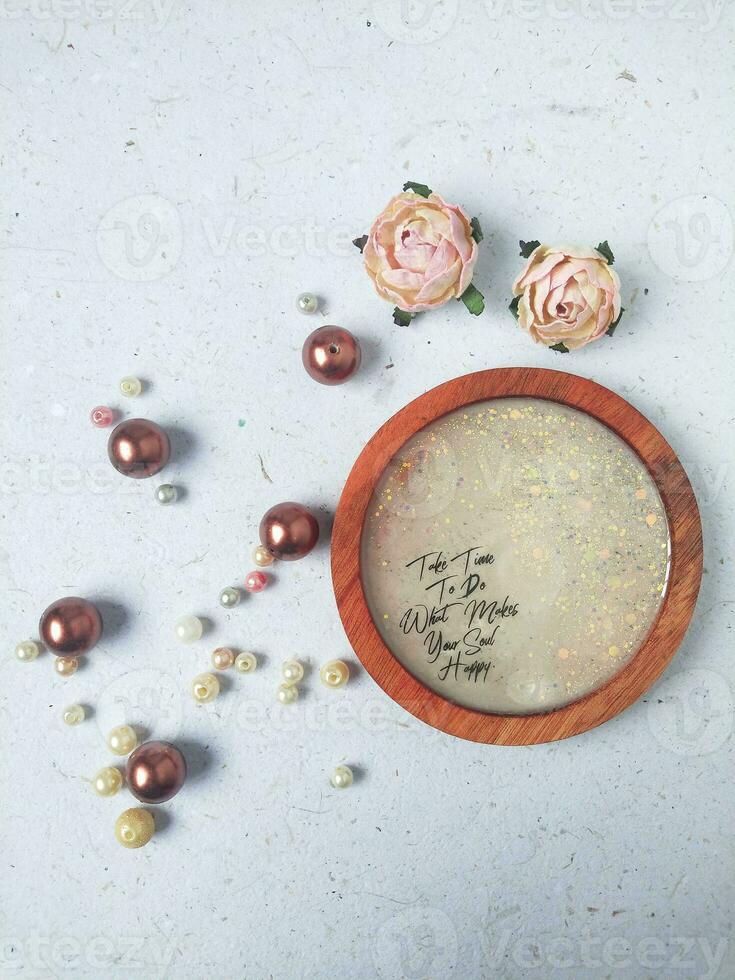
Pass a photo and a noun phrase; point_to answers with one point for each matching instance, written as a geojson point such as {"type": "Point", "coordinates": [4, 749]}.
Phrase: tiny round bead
{"type": "Point", "coordinates": [287, 693]}
{"type": "Point", "coordinates": [26, 651]}
{"type": "Point", "coordinates": [108, 781]}
{"type": "Point", "coordinates": [134, 827]}
{"type": "Point", "coordinates": [342, 777]}
{"type": "Point", "coordinates": [205, 688]}
{"type": "Point", "coordinates": [245, 663]}
{"type": "Point", "coordinates": [122, 740]}
{"type": "Point", "coordinates": [166, 494]}
{"type": "Point", "coordinates": [292, 671]}
{"type": "Point", "coordinates": [189, 629]}
{"type": "Point", "coordinates": [101, 416]}
{"type": "Point", "coordinates": [307, 303]}
{"type": "Point", "coordinates": [262, 557]}
{"type": "Point", "coordinates": [73, 715]}
{"type": "Point", "coordinates": [334, 673]}
{"type": "Point", "coordinates": [66, 666]}
{"type": "Point", "coordinates": [256, 581]}
{"type": "Point", "coordinates": [223, 658]}
{"type": "Point", "coordinates": [130, 387]}
{"type": "Point", "coordinates": [229, 597]}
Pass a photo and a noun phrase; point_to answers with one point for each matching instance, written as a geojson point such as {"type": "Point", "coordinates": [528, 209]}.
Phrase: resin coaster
{"type": "Point", "coordinates": [516, 555]}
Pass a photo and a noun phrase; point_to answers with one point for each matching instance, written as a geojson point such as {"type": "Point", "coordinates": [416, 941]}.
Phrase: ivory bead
{"type": "Point", "coordinates": [189, 629]}
{"type": "Point", "coordinates": [334, 673]}
{"type": "Point", "coordinates": [130, 387]}
{"type": "Point", "coordinates": [73, 715]}
{"type": "Point", "coordinates": [262, 557]}
{"type": "Point", "coordinates": [229, 597]}
{"type": "Point", "coordinates": [292, 672]}
{"type": "Point", "coordinates": [245, 663]}
{"type": "Point", "coordinates": [205, 688]}
{"type": "Point", "coordinates": [287, 693]}
{"type": "Point", "coordinates": [26, 651]}
{"type": "Point", "coordinates": [307, 303]}
{"type": "Point", "coordinates": [166, 494]}
{"type": "Point", "coordinates": [108, 781]}
{"type": "Point", "coordinates": [66, 666]}
{"type": "Point", "coordinates": [342, 777]}
{"type": "Point", "coordinates": [134, 827]}
{"type": "Point", "coordinates": [122, 740]}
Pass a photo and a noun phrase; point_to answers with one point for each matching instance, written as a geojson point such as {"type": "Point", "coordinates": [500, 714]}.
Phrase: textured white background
{"type": "Point", "coordinates": [262, 140]}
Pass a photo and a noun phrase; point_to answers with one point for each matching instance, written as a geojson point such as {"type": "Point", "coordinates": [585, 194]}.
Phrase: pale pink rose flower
{"type": "Point", "coordinates": [420, 252]}
{"type": "Point", "coordinates": [568, 295]}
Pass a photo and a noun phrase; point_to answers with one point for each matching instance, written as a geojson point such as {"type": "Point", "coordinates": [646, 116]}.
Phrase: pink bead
{"type": "Point", "coordinates": [101, 416]}
{"type": "Point", "coordinates": [255, 581]}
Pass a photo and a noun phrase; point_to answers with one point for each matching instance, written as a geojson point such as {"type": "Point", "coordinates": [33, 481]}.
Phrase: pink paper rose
{"type": "Point", "coordinates": [567, 295]}
{"type": "Point", "coordinates": [422, 252]}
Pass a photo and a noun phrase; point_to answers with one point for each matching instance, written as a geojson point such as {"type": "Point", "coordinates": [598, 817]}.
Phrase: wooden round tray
{"type": "Point", "coordinates": [673, 616]}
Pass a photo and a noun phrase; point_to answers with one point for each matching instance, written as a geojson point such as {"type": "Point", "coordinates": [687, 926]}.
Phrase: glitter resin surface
{"type": "Point", "coordinates": [514, 555]}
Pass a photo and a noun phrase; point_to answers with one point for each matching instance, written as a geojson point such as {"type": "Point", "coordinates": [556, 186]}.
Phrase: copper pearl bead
{"type": "Point", "coordinates": [155, 772]}
{"type": "Point", "coordinates": [331, 355]}
{"type": "Point", "coordinates": [70, 627]}
{"type": "Point", "coordinates": [138, 448]}
{"type": "Point", "coordinates": [289, 531]}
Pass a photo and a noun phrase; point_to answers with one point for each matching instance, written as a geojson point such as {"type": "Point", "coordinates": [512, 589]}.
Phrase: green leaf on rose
{"type": "Point", "coordinates": [562, 348]}
{"type": "Point", "coordinates": [422, 189]}
{"type": "Point", "coordinates": [476, 230]}
{"type": "Point", "coordinates": [527, 248]}
{"type": "Point", "coordinates": [515, 303]}
{"type": "Point", "coordinates": [473, 300]}
{"type": "Point", "coordinates": [613, 326]}
{"type": "Point", "coordinates": [360, 242]}
{"type": "Point", "coordinates": [604, 249]}
{"type": "Point", "coordinates": [401, 318]}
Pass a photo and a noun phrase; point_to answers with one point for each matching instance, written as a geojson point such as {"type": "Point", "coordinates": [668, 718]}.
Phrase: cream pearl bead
{"type": "Point", "coordinates": [307, 303]}
{"type": "Point", "coordinates": [229, 597]}
{"type": "Point", "coordinates": [342, 777]}
{"type": "Point", "coordinates": [292, 671]}
{"type": "Point", "coordinates": [245, 663]}
{"type": "Point", "coordinates": [262, 557]}
{"type": "Point", "coordinates": [66, 666]}
{"type": "Point", "coordinates": [122, 740]}
{"type": "Point", "coordinates": [73, 715]}
{"type": "Point", "coordinates": [334, 673]}
{"type": "Point", "coordinates": [130, 386]}
{"type": "Point", "coordinates": [189, 629]}
{"type": "Point", "coordinates": [287, 693]}
{"type": "Point", "coordinates": [134, 827]}
{"type": "Point", "coordinates": [166, 494]}
{"type": "Point", "coordinates": [223, 658]}
{"type": "Point", "coordinates": [26, 651]}
{"type": "Point", "coordinates": [205, 688]}
{"type": "Point", "coordinates": [108, 781]}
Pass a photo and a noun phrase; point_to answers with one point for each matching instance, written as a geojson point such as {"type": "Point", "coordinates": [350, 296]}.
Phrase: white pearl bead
{"type": "Point", "coordinates": [335, 673]}
{"type": "Point", "coordinates": [122, 740]}
{"type": "Point", "coordinates": [223, 658]}
{"type": "Point", "coordinates": [73, 715]}
{"type": "Point", "coordinates": [205, 688]}
{"type": "Point", "coordinates": [130, 386]}
{"type": "Point", "coordinates": [27, 651]}
{"type": "Point", "coordinates": [229, 597]}
{"type": "Point", "coordinates": [245, 662]}
{"type": "Point", "coordinates": [66, 666]}
{"type": "Point", "coordinates": [262, 557]}
{"type": "Point", "coordinates": [307, 303]}
{"type": "Point", "coordinates": [287, 693]}
{"type": "Point", "coordinates": [342, 777]}
{"type": "Point", "coordinates": [292, 671]}
{"type": "Point", "coordinates": [189, 629]}
{"type": "Point", "coordinates": [166, 494]}
{"type": "Point", "coordinates": [108, 781]}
